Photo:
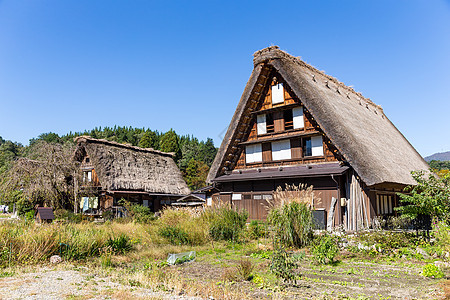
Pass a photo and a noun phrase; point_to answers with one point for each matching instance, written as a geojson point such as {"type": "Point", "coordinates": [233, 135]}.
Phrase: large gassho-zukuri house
{"type": "Point", "coordinates": [296, 125]}
{"type": "Point", "coordinates": [113, 171]}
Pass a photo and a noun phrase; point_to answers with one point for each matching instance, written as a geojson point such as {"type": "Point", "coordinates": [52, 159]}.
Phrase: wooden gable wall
{"type": "Point", "coordinates": [295, 135]}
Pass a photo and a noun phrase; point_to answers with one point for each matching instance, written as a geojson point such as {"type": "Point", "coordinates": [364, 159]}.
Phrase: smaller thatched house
{"type": "Point", "coordinates": [113, 171]}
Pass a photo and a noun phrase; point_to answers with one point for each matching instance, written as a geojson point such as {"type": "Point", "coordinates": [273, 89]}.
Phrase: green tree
{"type": "Point", "coordinates": [149, 140]}
{"type": "Point", "coordinates": [195, 174]}
{"type": "Point", "coordinates": [169, 143]}
{"type": "Point", "coordinates": [431, 196]}
{"type": "Point", "coordinates": [207, 152]}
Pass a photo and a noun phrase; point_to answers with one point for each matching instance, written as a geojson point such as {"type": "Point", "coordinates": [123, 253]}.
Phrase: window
{"type": "Point", "coordinates": [297, 116]}
{"type": "Point", "coordinates": [269, 123]}
{"type": "Point", "coordinates": [384, 204]}
{"type": "Point", "coordinates": [288, 119]}
{"type": "Point", "coordinates": [253, 153]}
{"type": "Point", "coordinates": [261, 124]}
{"type": "Point", "coordinates": [277, 93]}
{"type": "Point", "coordinates": [87, 160]}
{"type": "Point", "coordinates": [87, 176]}
{"type": "Point", "coordinates": [313, 146]}
{"type": "Point", "coordinates": [317, 145]}
{"type": "Point", "coordinates": [281, 150]}
{"type": "Point", "coordinates": [236, 196]}
{"type": "Point", "coordinates": [307, 150]}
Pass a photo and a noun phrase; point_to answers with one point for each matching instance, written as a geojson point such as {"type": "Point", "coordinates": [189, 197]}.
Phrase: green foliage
{"type": "Point", "coordinates": [169, 143]}
{"type": "Point", "coordinates": [256, 230]}
{"type": "Point", "coordinates": [441, 231]}
{"type": "Point", "coordinates": [433, 271]}
{"type": "Point", "coordinates": [439, 164]}
{"type": "Point", "coordinates": [149, 140]}
{"type": "Point", "coordinates": [195, 174]}
{"type": "Point", "coordinates": [283, 265]}
{"type": "Point", "coordinates": [293, 224]}
{"type": "Point", "coordinates": [389, 240]}
{"type": "Point", "coordinates": [431, 196]}
{"type": "Point", "coordinates": [325, 248]}
{"type": "Point", "coordinates": [29, 215]}
{"type": "Point", "coordinates": [120, 244]}
{"type": "Point", "coordinates": [141, 214]}
{"type": "Point", "coordinates": [227, 224]}
{"type": "Point", "coordinates": [175, 235]}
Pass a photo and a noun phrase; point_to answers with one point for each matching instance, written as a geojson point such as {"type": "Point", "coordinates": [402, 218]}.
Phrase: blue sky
{"type": "Point", "coordinates": [74, 65]}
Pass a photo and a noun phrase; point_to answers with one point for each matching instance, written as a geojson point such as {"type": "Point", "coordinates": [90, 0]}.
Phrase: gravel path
{"type": "Point", "coordinates": [71, 284]}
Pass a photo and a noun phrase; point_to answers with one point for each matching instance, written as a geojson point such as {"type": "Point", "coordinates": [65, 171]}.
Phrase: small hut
{"type": "Point", "coordinates": [113, 171]}
{"type": "Point", "coordinates": [44, 215]}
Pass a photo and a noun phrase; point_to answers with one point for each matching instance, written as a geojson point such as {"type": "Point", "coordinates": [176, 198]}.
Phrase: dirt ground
{"type": "Point", "coordinates": [345, 280]}
{"type": "Point", "coordinates": [73, 283]}
{"type": "Point", "coordinates": [399, 279]}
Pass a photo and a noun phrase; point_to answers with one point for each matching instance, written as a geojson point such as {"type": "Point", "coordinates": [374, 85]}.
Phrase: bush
{"type": "Point", "coordinates": [293, 224]}
{"type": "Point", "coordinates": [325, 248]}
{"type": "Point", "coordinates": [141, 214]}
{"type": "Point", "coordinates": [283, 265]}
{"type": "Point", "coordinates": [120, 245]}
{"type": "Point", "coordinates": [175, 235]}
{"type": "Point", "coordinates": [182, 226]}
{"type": "Point", "coordinates": [227, 224]}
{"type": "Point", "coordinates": [432, 271]}
{"type": "Point", "coordinates": [441, 232]}
{"type": "Point", "coordinates": [245, 268]}
{"type": "Point", "coordinates": [256, 230]}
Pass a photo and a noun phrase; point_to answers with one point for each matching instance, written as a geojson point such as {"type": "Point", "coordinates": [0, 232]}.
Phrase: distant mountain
{"type": "Point", "coordinates": [438, 156]}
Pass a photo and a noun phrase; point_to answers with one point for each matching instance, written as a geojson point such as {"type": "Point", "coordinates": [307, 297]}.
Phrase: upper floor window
{"type": "Point", "coordinates": [313, 146]}
{"type": "Point", "coordinates": [253, 153]}
{"type": "Point", "coordinates": [281, 150]}
{"type": "Point", "coordinates": [277, 93]}
{"type": "Point", "coordinates": [287, 119]}
{"type": "Point", "coordinates": [87, 176]}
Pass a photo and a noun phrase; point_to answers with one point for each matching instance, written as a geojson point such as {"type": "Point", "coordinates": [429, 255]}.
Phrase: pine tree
{"type": "Point", "coordinates": [169, 143]}
{"type": "Point", "coordinates": [148, 140]}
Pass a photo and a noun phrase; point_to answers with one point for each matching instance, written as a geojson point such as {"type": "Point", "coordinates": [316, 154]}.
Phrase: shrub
{"type": "Point", "coordinates": [433, 271]}
{"type": "Point", "coordinates": [441, 232]}
{"type": "Point", "coordinates": [175, 235]}
{"type": "Point", "coordinates": [256, 230]}
{"type": "Point", "coordinates": [325, 248]}
{"type": "Point", "coordinates": [227, 224]}
{"type": "Point", "coordinates": [291, 215]}
{"type": "Point", "coordinates": [245, 268]}
{"type": "Point", "coordinates": [182, 226]}
{"type": "Point", "coordinates": [120, 245]}
{"type": "Point", "coordinates": [293, 224]}
{"type": "Point", "coordinates": [283, 264]}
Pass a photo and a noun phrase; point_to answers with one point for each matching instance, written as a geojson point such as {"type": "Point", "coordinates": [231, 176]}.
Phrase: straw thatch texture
{"type": "Point", "coordinates": [124, 167]}
{"type": "Point", "coordinates": [370, 143]}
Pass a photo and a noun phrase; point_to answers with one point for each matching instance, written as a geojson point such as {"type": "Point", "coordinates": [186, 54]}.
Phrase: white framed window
{"type": "Point", "coordinates": [281, 150]}
{"type": "Point", "coordinates": [316, 145]}
{"type": "Point", "coordinates": [253, 153]}
{"type": "Point", "coordinates": [261, 124]}
{"type": "Point", "coordinates": [236, 196]}
{"type": "Point", "coordinates": [277, 93]}
{"type": "Point", "coordinates": [297, 115]}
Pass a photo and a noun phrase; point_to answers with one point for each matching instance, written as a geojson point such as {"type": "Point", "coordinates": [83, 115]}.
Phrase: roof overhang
{"type": "Point", "coordinates": [317, 170]}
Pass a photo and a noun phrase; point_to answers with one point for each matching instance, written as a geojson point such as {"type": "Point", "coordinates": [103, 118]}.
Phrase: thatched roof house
{"type": "Point", "coordinates": [354, 131]}
{"type": "Point", "coordinates": [119, 169]}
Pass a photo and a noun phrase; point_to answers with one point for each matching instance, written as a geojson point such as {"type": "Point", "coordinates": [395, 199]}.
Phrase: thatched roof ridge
{"type": "Point", "coordinates": [85, 138]}
{"type": "Point", "coordinates": [360, 130]}
{"type": "Point", "coordinates": [129, 168]}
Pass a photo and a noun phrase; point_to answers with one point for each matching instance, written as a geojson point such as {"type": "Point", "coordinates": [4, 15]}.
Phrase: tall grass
{"type": "Point", "coordinates": [291, 215]}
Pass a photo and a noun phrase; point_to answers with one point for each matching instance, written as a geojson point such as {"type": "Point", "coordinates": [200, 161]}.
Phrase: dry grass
{"type": "Point", "coordinates": [294, 193]}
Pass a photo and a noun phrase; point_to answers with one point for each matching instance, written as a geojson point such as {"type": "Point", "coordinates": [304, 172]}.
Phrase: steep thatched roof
{"type": "Point", "coordinates": [360, 130]}
{"type": "Point", "coordinates": [129, 168]}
